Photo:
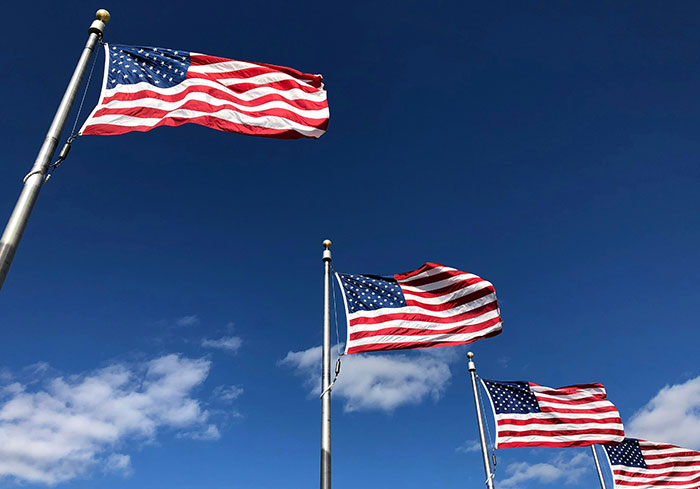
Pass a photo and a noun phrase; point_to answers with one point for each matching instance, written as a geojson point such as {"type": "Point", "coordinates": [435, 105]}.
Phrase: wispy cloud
{"type": "Point", "coordinates": [118, 463]}
{"type": "Point", "coordinates": [230, 344]}
{"type": "Point", "coordinates": [227, 392]}
{"type": "Point", "coordinates": [73, 424]}
{"type": "Point", "coordinates": [186, 321]}
{"type": "Point", "coordinates": [671, 416]}
{"type": "Point", "coordinates": [563, 469]}
{"type": "Point", "coordinates": [211, 433]}
{"type": "Point", "coordinates": [469, 447]}
{"type": "Point", "coordinates": [376, 381]}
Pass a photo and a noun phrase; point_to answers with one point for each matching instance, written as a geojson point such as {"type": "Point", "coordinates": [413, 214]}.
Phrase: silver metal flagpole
{"type": "Point", "coordinates": [480, 421]}
{"type": "Point", "coordinates": [597, 466]}
{"type": "Point", "coordinates": [36, 177]}
{"type": "Point", "coordinates": [326, 392]}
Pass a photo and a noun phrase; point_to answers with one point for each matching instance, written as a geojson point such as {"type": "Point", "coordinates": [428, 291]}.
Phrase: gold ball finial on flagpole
{"type": "Point", "coordinates": [327, 244]}
{"type": "Point", "coordinates": [103, 15]}
{"type": "Point", "coordinates": [470, 355]}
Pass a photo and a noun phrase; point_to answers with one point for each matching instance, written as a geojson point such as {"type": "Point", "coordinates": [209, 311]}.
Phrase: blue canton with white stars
{"type": "Point", "coordinates": [371, 292]}
{"type": "Point", "coordinates": [627, 453]}
{"type": "Point", "coordinates": [512, 397]}
{"type": "Point", "coordinates": [136, 64]}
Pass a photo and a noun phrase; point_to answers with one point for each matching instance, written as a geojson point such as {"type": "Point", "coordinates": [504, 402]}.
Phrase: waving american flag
{"type": "Point", "coordinates": [532, 415]}
{"type": "Point", "coordinates": [147, 87]}
{"type": "Point", "coordinates": [432, 306]}
{"type": "Point", "coordinates": [641, 464]}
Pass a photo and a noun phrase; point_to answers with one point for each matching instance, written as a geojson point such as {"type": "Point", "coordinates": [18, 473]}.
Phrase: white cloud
{"type": "Point", "coordinates": [5, 375]}
{"type": "Point", "coordinates": [119, 463]}
{"type": "Point", "coordinates": [469, 446]}
{"type": "Point", "coordinates": [185, 321]}
{"type": "Point", "coordinates": [672, 416]}
{"type": "Point", "coordinates": [562, 469]}
{"type": "Point", "coordinates": [377, 381]}
{"type": "Point", "coordinates": [211, 433]}
{"type": "Point", "coordinates": [73, 424]}
{"type": "Point", "coordinates": [38, 367]}
{"type": "Point", "coordinates": [227, 343]}
{"type": "Point", "coordinates": [228, 392]}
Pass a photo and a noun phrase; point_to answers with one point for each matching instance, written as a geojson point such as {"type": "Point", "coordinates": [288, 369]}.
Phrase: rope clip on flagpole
{"type": "Point", "coordinates": [337, 372]}
{"type": "Point", "coordinates": [37, 175]}
{"type": "Point", "coordinates": [480, 421]}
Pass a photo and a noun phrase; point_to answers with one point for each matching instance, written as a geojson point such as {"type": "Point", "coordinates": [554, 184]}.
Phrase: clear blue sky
{"type": "Point", "coordinates": [160, 318]}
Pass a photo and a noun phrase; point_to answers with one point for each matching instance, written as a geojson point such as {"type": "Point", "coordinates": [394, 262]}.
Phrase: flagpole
{"type": "Point", "coordinates": [480, 421]}
{"type": "Point", "coordinates": [37, 176]}
{"type": "Point", "coordinates": [326, 392]}
{"type": "Point", "coordinates": [597, 466]}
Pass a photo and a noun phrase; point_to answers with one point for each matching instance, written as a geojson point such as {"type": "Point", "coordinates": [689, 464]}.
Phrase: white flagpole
{"type": "Point", "coordinates": [37, 176]}
{"type": "Point", "coordinates": [597, 466]}
{"type": "Point", "coordinates": [480, 421]}
{"type": "Point", "coordinates": [326, 392]}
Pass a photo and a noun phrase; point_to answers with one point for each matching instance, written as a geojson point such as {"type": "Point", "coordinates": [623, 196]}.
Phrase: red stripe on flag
{"type": "Point", "coordinates": [217, 93]}
{"type": "Point", "coordinates": [556, 421]}
{"type": "Point", "coordinates": [554, 444]}
{"type": "Point", "coordinates": [573, 432]}
{"type": "Point", "coordinates": [415, 344]}
{"type": "Point", "coordinates": [471, 328]}
{"type": "Point", "coordinates": [604, 409]}
{"type": "Point", "coordinates": [416, 317]}
{"type": "Point", "coordinates": [315, 80]}
{"type": "Point", "coordinates": [199, 106]}
{"type": "Point", "coordinates": [436, 277]}
{"type": "Point", "coordinates": [282, 85]}
{"type": "Point", "coordinates": [446, 306]}
{"type": "Point", "coordinates": [454, 287]}
{"type": "Point", "coordinates": [210, 121]}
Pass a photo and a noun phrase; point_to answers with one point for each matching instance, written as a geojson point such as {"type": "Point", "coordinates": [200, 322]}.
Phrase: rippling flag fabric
{"type": "Point", "coordinates": [147, 87]}
{"type": "Point", "coordinates": [532, 415]}
{"type": "Point", "coordinates": [432, 306]}
{"type": "Point", "coordinates": [644, 464]}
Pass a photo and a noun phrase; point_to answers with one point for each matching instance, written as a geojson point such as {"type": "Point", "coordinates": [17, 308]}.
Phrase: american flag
{"type": "Point", "coordinates": [644, 464]}
{"type": "Point", "coordinates": [531, 415]}
{"type": "Point", "coordinates": [146, 87]}
{"type": "Point", "coordinates": [432, 306]}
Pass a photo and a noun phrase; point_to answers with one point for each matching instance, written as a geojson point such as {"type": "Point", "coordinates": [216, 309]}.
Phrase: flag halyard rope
{"type": "Point", "coordinates": [335, 313]}
{"type": "Point", "coordinates": [82, 100]}
{"type": "Point", "coordinates": [492, 444]}
{"type": "Point", "coordinates": [67, 147]}
{"type": "Point", "coordinates": [337, 341]}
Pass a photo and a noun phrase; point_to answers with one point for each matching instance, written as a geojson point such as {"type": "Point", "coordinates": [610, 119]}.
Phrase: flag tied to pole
{"type": "Point", "coordinates": [644, 464]}
{"type": "Point", "coordinates": [531, 415]}
{"type": "Point", "coordinates": [432, 306]}
{"type": "Point", "coordinates": [146, 87]}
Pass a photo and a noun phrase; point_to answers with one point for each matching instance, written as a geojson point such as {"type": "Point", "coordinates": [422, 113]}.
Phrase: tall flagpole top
{"type": "Point", "coordinates": [470, 365]}
{"type": "Point", "coordinates": [103, 15]}
{"type": "Point", "coordinates": [327, 250]}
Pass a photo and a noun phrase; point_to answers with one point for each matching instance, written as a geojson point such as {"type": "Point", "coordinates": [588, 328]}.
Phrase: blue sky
{"type": "Point", "coordinates": [161, 318]}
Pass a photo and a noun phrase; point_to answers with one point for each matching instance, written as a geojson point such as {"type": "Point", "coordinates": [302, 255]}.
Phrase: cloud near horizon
{"type": "Point", "coordinates": [186, 321]}
{"type": "Point", "coordinates": [72, 425]}
{"type": "Point", "coordinates": [563, 469]}
{"type": "Point", "coordinates": [671, 416]}
{"type": "Point", "coordinates": [469, 446]}
{"type": "Point", "coordinates": [376, 381]}
{"type": "Point", "coordinates": [230, 344]}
